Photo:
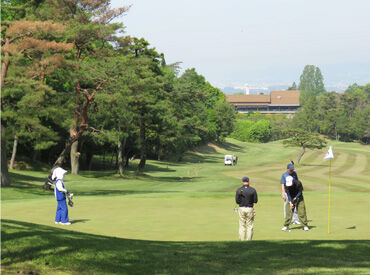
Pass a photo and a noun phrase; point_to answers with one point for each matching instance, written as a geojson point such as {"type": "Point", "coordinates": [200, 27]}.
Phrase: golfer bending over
{"type": "Point", "coordinates": [60, 192]}
{"type": "Point", "coordinates": [294, 189]}
{"type": "Point", "coordinates": [246, 196]}
{"type": "Point", "coordinates": [289, 172]}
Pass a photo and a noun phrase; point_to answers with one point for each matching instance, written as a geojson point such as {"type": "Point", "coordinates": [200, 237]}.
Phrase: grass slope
{"type": "Point", "coordinates": [148, 223]}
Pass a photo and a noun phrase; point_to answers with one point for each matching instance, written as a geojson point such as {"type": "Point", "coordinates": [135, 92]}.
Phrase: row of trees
{"type": "Point", "coordinates": [74, 86]}
{"type": "Point", "coordinates": [341, 116]}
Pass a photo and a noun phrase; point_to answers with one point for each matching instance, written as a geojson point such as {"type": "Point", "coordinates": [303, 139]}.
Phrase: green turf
{"type": "Point", "coordinates": [178, 217]}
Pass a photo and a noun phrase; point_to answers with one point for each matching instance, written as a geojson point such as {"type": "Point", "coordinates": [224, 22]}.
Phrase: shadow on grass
{"type": "Point", "coordinates": [79, 221]}
{"type": "Point", "coordinates": [33, 185]}
{"type": "Point", "coordinates": [107, 192]}
{"type": "Point", "coordinates": [26, 183]}
{"type": "Point", "coordinates": [28, 247]}
{"type": "Point", "coordinates": [232, 147]}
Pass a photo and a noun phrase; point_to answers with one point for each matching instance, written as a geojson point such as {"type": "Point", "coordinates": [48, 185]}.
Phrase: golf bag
{"type": "Point", "coordinates": [48, 183]}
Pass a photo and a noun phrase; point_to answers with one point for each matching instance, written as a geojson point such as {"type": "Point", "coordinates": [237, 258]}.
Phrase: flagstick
{"type": "Point", "coordinates": [329, 197]}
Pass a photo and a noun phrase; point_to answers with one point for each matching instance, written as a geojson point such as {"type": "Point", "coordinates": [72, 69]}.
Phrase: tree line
{"type": "Point", "coordinates": [74, 86]}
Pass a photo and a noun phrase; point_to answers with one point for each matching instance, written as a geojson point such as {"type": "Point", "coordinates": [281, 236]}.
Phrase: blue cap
{"type": "Point", "coordinates": [245, 179]}
{"type": "Point", "coordinates": [290, 166]}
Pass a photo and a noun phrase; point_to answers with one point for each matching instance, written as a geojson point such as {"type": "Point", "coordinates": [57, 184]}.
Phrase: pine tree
{"type": "Point", "coordinates": [25, 42]}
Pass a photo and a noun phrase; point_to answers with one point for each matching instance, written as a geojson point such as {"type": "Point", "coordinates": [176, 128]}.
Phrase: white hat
{"type": "Point", "coordinates": [289, 181]}
{"type": "Point", "coordinates": [58, 173]}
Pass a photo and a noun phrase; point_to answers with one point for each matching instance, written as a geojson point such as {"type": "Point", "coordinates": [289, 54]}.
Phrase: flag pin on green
{"type": "Point", "coordinates": [329, 156]}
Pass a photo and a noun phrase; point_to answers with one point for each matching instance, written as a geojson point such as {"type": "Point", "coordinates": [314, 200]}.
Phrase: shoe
{"type": "Point", "coordinates": [286, 229]}
{"type": "Point", "coordinates": [65, 223]}
{"type": "Point", "coordinates": [57, 222]}
{"type": "Point", "coordinates": [296, 222]}
{"type": "Point", "coordinates": [306, 228]}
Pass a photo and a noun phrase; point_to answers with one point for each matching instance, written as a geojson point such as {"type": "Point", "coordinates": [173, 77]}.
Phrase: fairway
{"type": "Point", "coordinates": [193, 200]}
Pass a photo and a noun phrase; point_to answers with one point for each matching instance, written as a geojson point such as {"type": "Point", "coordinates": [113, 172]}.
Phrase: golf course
{"type": "Point", "coordinates": [178, 217]}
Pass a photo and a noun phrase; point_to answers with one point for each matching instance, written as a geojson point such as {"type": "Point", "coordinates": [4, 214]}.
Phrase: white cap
{"type": "Point", "coordinates": [58, 173]}
{"type": "Point", "coordinates": [289, 181]}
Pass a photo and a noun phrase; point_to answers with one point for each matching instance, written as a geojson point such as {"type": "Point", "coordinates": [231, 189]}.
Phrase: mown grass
{"type": "Point", "coordinates": [43, 249]}
{"type": "Point", "coordinates": [177, 218]}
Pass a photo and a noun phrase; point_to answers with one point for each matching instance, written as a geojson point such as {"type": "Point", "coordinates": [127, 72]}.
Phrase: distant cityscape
{"type": "Point", "coordinates": [265, 89]}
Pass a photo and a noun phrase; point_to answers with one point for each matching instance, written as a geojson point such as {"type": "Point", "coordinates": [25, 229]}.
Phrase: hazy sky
{"type": "Point", "coordinates": [232, 42]}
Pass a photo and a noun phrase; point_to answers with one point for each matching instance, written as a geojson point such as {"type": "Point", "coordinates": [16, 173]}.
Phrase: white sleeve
{"type": "Point", "coordinates": [60, 186]}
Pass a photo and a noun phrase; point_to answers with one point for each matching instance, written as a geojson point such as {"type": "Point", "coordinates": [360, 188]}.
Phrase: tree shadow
{"type": "Point", "coordinates": [26, 183]}
{"type": "Point", "coordinates": [232, 147]}
{"type": "Point", "coordinates": [193, 158]}
{"type": "Point", "coordinates": [156, 168]}
{"type": "Point", "coordinates": [107, 192]}
{"type": "Point", "coordinates": [28, 247]}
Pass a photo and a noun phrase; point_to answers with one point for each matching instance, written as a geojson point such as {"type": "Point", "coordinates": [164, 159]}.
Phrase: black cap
{"type": "Point", "coordinates": [245, 179]}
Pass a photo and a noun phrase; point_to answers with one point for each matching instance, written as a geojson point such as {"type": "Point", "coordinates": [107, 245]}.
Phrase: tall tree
{"type": "Point", "coordinates": [91, 30]}
{"type": "Point", "coordinates": [26, 42]}
{"type": "Point", "coordinates": [115, 117]}
{"type": "Point", "coordinates": [311, 83]}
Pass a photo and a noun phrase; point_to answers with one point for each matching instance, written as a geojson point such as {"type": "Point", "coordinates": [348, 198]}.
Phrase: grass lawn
{"type": "Point", "coordinates": [178, 218]}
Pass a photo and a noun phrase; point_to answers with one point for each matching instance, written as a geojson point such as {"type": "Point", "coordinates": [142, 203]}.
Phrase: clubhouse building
{"type": "Point", "coordinates": [277, 102]}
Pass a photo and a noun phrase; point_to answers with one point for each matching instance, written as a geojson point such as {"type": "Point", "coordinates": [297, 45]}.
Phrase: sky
{"type": "Point", "coordinates": [259, 42]}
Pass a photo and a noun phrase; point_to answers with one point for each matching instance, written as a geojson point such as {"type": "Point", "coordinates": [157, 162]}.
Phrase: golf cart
{"type": "Point", "coordinates": [228, 160]}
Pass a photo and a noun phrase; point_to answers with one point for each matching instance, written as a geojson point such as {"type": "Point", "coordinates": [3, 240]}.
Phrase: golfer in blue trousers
{"type": "Point", "coordinates": [60, 192]}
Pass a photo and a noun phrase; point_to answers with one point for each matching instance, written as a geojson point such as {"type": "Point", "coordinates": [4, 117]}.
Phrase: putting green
{"type": "Point", "coordinates": [185, 218]}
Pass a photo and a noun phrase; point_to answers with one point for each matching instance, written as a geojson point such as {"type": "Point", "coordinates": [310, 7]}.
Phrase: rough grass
{"type": "Point", "coordinates": [177, 218]}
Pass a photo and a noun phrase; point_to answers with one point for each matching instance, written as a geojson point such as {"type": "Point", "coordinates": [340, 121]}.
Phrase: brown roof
{"type": "Point", "coordinates": [252, 104]}
{"type": "Point", "coordinates": [285, 97]}
{"type": "Point", "coordinates": [274, 98]}
{"type": "Point", "coordinates": [248, 98]}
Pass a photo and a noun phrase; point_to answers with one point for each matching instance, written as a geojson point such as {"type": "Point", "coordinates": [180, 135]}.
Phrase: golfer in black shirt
{"type": "Point", "coordinates": [294, 191]}
{"type": "Point", "coordinates": [246, 196]}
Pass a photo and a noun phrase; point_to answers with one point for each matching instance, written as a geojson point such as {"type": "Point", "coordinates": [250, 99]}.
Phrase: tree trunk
{"type": "Point", "coordinates": [4, 70]}
{"type": "Point", "coordinates": [121, 168]}
{"type": "Point", "coordinates": [60, 160]}
{"type": "Point", "coordinates": [301, 154]}
{"type": "Point", "coordinates": [127, 159]}
{"type": "Point", "coordinates": [122, 157]}
{"type": "Point", "coordinates": [141, 163]}
{"type": "Point", "coordinates": [142, 146]}
{"type": "Point", "coordinates": [15, 144]}
{"type": "Point", "coordinates": [5, 65]}
{"type": "Point", "coordinates": [158, 149]}
{"type": "Point", "coordinates": [5, 179]}
{"type": "Point", "coordinates": [74, 158]}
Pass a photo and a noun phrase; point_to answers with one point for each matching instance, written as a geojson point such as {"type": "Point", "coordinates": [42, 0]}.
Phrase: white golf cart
{"type": "Point", "coordinates": [228, 160]}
